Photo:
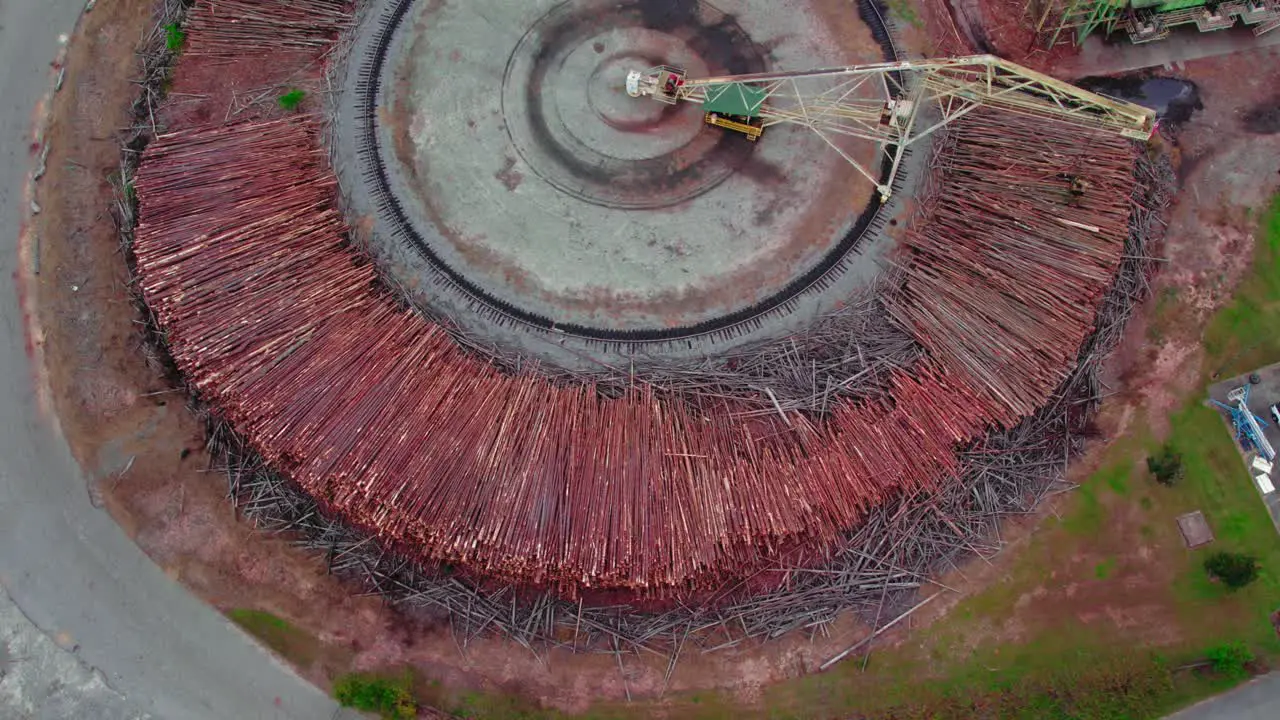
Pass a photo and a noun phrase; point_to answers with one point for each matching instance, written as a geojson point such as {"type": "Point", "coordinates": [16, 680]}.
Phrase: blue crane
{"type": "Point", "coordinates": [1248, 426]}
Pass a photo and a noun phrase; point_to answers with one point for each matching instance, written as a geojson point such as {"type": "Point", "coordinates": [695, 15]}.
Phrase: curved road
{"type": "Point", "coordinates": [70, 570]}
{"type": "Point", "coordinates": [1258, 699]}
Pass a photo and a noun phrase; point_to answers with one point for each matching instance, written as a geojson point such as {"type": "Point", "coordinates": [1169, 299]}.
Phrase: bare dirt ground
{"type": "Point", "coordinates": [144, 450]}
{"type": "Point", "coordinates": [999, 27]}
{"type": "Point", "coordinates": [1227, 173]}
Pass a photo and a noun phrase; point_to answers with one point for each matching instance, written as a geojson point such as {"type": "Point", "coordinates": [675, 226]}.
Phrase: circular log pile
{"type": "Point", "coordinates": [378, 413]}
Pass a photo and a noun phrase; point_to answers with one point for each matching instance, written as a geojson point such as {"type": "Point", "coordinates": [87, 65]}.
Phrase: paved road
{"type": "Point", "coordinates": [40, 679]}
{"type": "Point", "coordinates": [70, 570]}
{"type": "Point", "coordinates": [1259, 700]}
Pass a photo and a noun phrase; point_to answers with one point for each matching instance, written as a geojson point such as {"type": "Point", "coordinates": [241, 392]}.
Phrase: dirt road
{"type": "Point", "coordinates": [68, 567]}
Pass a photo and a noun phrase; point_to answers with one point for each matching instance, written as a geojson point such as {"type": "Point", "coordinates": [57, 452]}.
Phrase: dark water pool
{"type": "Point", "coordinates": [1173, 100]}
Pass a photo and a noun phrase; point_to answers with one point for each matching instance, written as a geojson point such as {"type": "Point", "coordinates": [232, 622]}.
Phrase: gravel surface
{"type": "Point", "coordinates": [39, 679]}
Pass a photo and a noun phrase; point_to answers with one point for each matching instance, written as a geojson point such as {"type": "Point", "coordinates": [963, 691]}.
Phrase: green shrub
{"type": "Point", "coordinates": [391, 699]}
{"type": "Point", "coordinates": [1166, 466]}
{"type": "Point", "coordinates": [292, 99]}
{"type": "Point", "coordinates": [1235, 570]}
{"type": "Point", "coordinates": [174, 37]}
{"type": "Point", "coordinates": [1230, 659]}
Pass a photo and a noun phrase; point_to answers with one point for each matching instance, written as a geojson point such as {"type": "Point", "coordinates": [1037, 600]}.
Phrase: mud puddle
{"type": "Point", "coordinates": [1173, 100]}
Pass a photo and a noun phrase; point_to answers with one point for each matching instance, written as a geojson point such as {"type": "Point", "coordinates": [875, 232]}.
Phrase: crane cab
{"type": "Point", "coordinates": [662, 83]}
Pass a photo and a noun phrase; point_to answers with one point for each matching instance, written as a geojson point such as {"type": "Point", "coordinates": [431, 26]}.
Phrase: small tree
{"type": "Point", "coordinates": [1230, 659]}
{"type": "Point", "coordinates": [1235, 570]}
{"type": "Point", "coordinates": [174, 37]}
{"type": "Point", "coordinates": [292, 99]}
{"type": "Point", "coordinates": [391, 699]}
{"type": "Point", "coordinates": [1166, 466]}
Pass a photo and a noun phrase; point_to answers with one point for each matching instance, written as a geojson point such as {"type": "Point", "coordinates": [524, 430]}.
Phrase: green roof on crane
{"type": "Point", "coordinates": [734, 99]}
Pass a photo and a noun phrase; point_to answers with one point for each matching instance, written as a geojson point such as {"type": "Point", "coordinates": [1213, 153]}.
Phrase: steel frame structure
{"type": "Point", "coordinates": [1147, 21]}
{"type": "Point", "coordinates": [886, 103]}
{"type": "Point", "coordinates": [1248, 426]}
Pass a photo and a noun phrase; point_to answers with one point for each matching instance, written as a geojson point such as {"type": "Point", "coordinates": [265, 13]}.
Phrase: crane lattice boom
{"type": "Point", "coordinates": [890, 104]}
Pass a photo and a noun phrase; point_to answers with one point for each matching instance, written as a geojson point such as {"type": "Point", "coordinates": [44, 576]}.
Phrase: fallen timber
{"type": "Point", "coordinates": [557, 485]}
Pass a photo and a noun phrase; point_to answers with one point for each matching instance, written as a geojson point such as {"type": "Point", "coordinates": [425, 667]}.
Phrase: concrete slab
{"type": "Point", "coordinates": [552, 189]}
{"type": "Point", "coordinates": [517, 158]}
{"type": "Point", "coordinates": [1261, 397]}
{"type": "Point", "coordinates": [1195, 529]}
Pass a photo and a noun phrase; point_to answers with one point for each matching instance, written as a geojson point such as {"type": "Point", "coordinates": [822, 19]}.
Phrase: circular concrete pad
{"type": "Point", "coordinates": [519, 166]}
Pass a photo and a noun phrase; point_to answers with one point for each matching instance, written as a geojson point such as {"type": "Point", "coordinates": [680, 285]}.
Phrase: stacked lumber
{"type": "Point", "coordinates": [1005, 273]}
{"type": "Point", "coordinates": [384, 419]}
{"type": "Point", "coordinates": [235, 28]}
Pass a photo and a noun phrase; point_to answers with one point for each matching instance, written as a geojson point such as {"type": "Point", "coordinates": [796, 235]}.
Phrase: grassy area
{"type": "Point", "coordinates": [906, 10]}
{"type": "Point", "coordinates": [1069, 669]}
{"type": "Point", "coordinates": [391, 698]}
{"type": "Point", "coordinates": [290, 642]}
{"type": "Point", "coordinates": [1117, 530]}
{"type": "Point", "coordinates": [1089, 514]}
{"type": "Point", "coordinates": [1243, 336]}
{"type": "Point", "coordinates": [1218, 485]}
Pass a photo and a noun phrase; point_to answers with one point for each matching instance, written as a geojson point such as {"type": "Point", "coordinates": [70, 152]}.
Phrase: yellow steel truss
{"type": "Point", "coordinates": [897, 104]}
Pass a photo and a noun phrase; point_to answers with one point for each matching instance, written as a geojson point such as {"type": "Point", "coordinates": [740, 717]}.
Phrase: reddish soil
{"type": "Point", "coordinates": [941, 32]}
{"type": "Point", "coordinates": [143, 451]}
{"type": "Point", "coordinates": [1227, 174]}
{"type": "Point", "coordinates": [210, 91]}
{"type": "Point", "coordinates": [998, 27]}
{"type": "Point", "coordinates": [91, 350]}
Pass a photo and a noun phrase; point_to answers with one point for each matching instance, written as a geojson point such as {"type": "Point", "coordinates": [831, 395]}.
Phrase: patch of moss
{"type": "Point", "coordinates": [1086, 514]}
{"type": "Point", "coordinates": [390, 698]}
{"type": "Point", "coordinates": [292, 99]}
{"type": "Point", "coordinates": [905, 9]}
{"type": "Point", "coordinates": [292, 643]}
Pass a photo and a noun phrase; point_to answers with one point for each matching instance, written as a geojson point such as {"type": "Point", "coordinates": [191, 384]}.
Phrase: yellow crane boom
{"type": "Point", "coordinates": [891, 104]}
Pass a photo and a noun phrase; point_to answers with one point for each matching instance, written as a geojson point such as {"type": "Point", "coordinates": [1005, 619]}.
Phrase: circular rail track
{"type": "Point", "coordinates": [534, 196]}
{"type": "Point", "coordinates": [382, 420]}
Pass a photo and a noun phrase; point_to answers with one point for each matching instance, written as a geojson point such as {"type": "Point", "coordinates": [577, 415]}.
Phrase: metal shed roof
{"type": "Point", "coordinates": [734, 99]}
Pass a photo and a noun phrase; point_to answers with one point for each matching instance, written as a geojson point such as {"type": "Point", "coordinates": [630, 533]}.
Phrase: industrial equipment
{"type": "Point", "coordinates": [1147, 20]}
{"type": "Point", "coordinates": [892, 105]}
{"type": "Point", "coordinates": [1248, 426]}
